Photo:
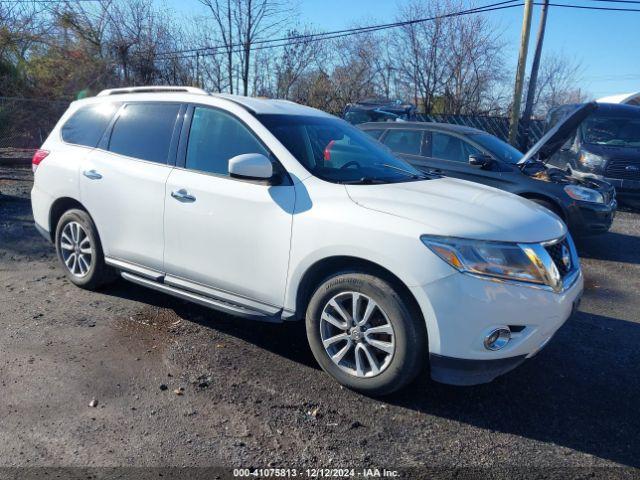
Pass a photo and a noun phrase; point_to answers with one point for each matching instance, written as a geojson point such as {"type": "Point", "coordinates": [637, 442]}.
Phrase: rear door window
{"type": "Point", "coordinates": [86, 126]}
{"type": "Point", "coordinates": [404, 141]}
{"type": "Point", "coordinates": [144, 131]}
{"type": "Point", "coordinates": [374, 133]}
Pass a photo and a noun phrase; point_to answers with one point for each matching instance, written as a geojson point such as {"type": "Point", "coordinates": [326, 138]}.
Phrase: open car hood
{"type": "Point", "coordinates": [555, 138]}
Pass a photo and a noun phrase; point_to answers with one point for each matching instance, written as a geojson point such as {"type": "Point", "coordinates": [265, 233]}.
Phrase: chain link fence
{"type": "Point", "coordinates": [25, 124]}
{"type": "Point", "coordinates": [498, 126]}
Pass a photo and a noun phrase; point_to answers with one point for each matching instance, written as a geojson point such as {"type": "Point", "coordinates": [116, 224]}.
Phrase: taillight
{"type": "Point", "coordinates": [327, 151]}
{"type": "Point", "coordinates": [38, 157]}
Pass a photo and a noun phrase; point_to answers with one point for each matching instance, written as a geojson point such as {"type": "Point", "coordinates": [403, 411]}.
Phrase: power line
{"type": "Point", "coordinates": [612, 78]}
{"type": "Point", "coordinates": [586, 7]}
{"type": "Point", "coordinates": [636, 2]}
{"type": "Point", "coordinates": [299, 39]}
{"type": "Point", "coordinates": [348, 30]}
{"type": "Point", "coordinates": [303, 38]}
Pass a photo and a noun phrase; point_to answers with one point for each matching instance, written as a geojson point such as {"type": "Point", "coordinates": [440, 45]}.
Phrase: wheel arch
{"type": "Point", "coordinates": [328, 266]}
{"type": "Point", "coordinates": [58, 208]}
{"type": "Point", "coordinates": [559, 209]}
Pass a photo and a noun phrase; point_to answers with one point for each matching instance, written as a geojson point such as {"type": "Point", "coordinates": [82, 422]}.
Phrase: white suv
{"type": "Point", "coordinates": [273, 211]}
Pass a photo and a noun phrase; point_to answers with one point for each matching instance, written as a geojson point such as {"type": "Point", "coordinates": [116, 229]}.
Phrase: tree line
{"type": "Point", "coordinates": [451, 64]}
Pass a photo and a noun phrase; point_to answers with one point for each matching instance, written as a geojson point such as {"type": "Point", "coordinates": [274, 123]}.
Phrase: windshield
{"type": "Point", "coordinates": [336, 151]}
{"type": "Point", "coordinates": [501, 150]}
{"type": "Point", "coordinates": [613, 130]}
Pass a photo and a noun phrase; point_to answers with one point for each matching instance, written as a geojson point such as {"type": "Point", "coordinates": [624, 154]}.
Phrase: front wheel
{"type": "Point", "coordinates": [362, 332]}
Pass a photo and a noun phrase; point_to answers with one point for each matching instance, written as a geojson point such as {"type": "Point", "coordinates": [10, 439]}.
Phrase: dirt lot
{"type": "Point", "coordinates": [253, 396]}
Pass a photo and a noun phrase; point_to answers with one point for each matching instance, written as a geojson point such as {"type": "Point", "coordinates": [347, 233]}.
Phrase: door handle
{"type": "Point", "coordinates": [92, 175]}
{"type": "Point", "coordinates": [183, 196]}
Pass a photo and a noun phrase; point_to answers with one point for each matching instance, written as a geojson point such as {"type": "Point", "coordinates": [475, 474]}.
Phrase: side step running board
{"type": "Point", "coordinates": [215, 304]}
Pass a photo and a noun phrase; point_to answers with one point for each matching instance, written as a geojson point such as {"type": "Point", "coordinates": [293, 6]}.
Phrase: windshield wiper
{"type": "Point", "coordinates": [363, 181]}
{"type": "Point", "coordinates": [406, 172]}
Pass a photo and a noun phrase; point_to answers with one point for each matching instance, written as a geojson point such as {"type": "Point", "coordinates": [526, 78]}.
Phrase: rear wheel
{"type": "Point", "coordinates": [362, 333]}
{"type": "Point", "coordinates": [80, 252]}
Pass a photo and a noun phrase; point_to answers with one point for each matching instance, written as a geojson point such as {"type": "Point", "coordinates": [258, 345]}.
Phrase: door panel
{"type": "Point", "coordinates": [223, 233]}
{"type": "Point", "coordinates": [126, 204]}
{"type": "Point", "coordinates": [122, 183]}
{"type": "Point", "coordinates": [231, 235]}
{"type": "Point", "coordinates": [449, 155]}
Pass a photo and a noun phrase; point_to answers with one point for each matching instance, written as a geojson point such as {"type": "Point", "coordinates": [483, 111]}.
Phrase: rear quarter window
{"type": "Point", "coordinates": [86, 126]}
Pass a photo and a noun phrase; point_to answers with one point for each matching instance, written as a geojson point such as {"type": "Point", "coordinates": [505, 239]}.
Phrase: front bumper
{"type": "Point", "coordinates": [461, 310]}
{"type": "Point", "coordinates": [587, 218]}
{"type": "Point", "coordinates": [463, 372]}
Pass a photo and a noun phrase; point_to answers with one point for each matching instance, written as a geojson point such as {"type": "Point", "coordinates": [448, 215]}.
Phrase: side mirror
{"type": "Point", "coordinates": [251, 166]}
{"type": "Point", "coordinates": [480, 160]}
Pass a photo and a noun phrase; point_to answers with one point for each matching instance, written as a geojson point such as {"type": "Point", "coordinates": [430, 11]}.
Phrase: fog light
{"type": "Point", "coordinates": [497, 339]}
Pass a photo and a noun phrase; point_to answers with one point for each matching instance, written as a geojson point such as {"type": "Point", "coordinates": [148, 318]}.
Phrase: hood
{"type": "Point", "coordinates": [612, 151]}
{"type": "Point", "coordinates": [457, 208]}
{"type": "Point", "coordinates": [557, 136]}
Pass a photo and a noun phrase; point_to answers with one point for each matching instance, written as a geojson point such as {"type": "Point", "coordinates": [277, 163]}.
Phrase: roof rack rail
{"type": "Point", "coordinates": [234, 99]}
{"type": "Point", "coordinates": [153, 89]}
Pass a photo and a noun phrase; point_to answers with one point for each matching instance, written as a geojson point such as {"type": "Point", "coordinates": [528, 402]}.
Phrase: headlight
{"type": "Point", "coordinates": [590, 161]}
{"type": "Point", "coordinates": [492, 259]}
{"type": "Point", "coordinates": [583, 193]}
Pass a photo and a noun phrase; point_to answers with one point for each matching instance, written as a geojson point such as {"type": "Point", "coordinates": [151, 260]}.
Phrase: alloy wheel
{"type": "Point", "coordinates": [357, 334]}
{"type": "Point", "coordinates": [76, 249]}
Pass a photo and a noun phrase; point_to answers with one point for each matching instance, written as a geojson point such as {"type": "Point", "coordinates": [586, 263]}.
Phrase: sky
{"type": "Point", "coordinates": [607, 44]}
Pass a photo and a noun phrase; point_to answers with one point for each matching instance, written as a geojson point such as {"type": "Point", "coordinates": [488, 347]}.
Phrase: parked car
{"type": "Point", "coordinates": [273, 211]}
{"type": "Point", "coordinates": [586, 205]}
{"type": "Point", "coordinates": [605, 147]}
{"type": "Point", "coordinates": [379, 110]}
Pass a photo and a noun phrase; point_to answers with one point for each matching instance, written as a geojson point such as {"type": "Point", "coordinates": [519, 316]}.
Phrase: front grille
{"type": "Point", "coordinates": [627, 168]}
{"type": "Point", "coordinates": [561, 255]}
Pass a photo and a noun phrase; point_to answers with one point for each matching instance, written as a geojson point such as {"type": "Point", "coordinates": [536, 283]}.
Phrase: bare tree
{"type": "Point", "coordinates": [420, 49]}
{"type": "Point", "coordinates": [240, 24]}
{"type": "Point", "coordinates": [222, 12]}
{"type": "Point", "coordinates": [474, 64]}
{"type": "Point", "coordinates": [255, 20]}
{"type": "Point", "coordinates": [356, 69]}
{"type": "Point", "coordinates": [449, 64]}
{"type": "Point", "coordinates": [558, 82]}
{"type": "Point", "coordinates": [295, 59]}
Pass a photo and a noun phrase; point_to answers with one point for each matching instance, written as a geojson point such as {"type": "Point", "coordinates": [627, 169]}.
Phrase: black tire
{"type": "Point", "coordinates": [98, 273]}
{"type": "Point", "coordinates": [409, 331]}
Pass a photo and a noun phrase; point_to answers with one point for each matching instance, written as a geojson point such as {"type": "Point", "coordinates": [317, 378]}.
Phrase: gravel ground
{"type": "Point", "coordinates": [180, 385]}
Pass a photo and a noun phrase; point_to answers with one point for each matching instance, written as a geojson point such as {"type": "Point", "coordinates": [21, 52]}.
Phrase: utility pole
{"type": "Point", "coordinates": [533, 79]}
{"type": "Point", "coordinates": [522, 63]}
{"type": "Point", "coordinates": [198, 70]}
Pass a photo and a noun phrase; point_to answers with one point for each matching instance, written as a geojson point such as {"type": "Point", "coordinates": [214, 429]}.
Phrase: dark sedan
{"type": "Point", "coordinates": [586, 205]}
